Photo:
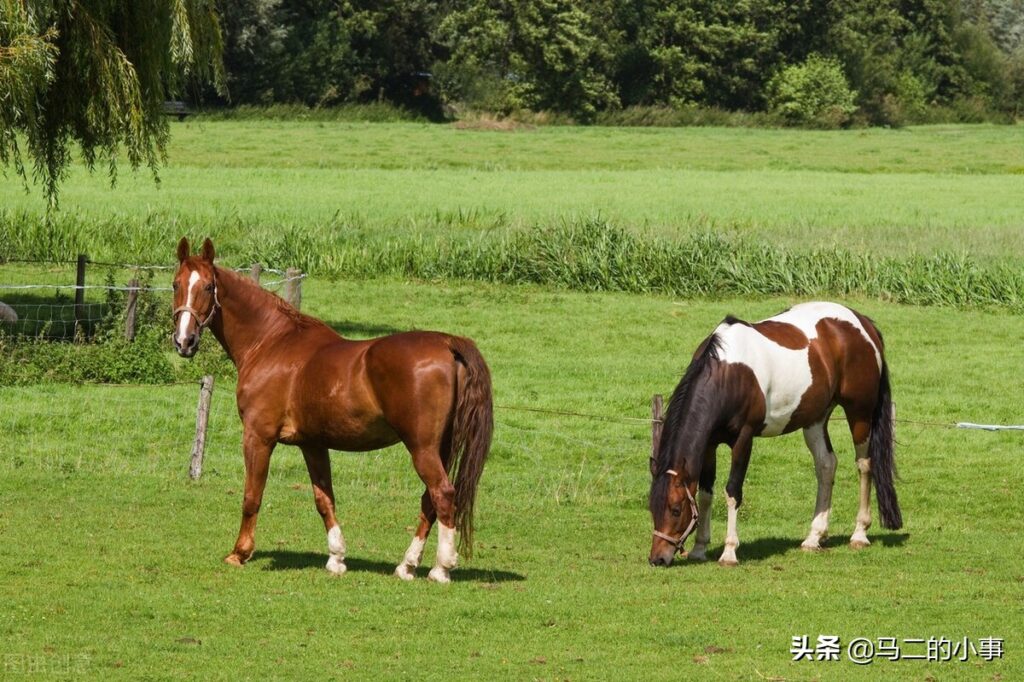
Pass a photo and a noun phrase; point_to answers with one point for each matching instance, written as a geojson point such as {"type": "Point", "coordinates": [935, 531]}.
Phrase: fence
{"type": "Point", "coordinates": [63, 309]}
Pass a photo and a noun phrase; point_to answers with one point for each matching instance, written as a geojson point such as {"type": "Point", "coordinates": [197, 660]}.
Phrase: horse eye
{"type": "Point", "coordinates": [677, 511]}
{"type": "Point", "coordinates": [174, 286]}
{"type": "Point", "coordinates": [209, 287]}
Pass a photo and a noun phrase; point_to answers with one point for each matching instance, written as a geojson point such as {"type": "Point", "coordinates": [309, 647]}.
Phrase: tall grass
{"type": "Point", "coordinates": [377, 112]}
{"type": "Point", "coordinates": [581, 255]}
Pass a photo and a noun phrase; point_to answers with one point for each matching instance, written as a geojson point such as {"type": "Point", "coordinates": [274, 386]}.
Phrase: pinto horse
{"type": "Point", "coordinates": [300, 383]}
{"type": "Point", "coordinates": [765, 379]}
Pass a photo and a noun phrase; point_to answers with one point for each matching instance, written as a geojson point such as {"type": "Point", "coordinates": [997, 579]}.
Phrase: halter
{"type": "Point", "coordinates": [693, 520]}
{"type": "Point", "coordinates": [189, 309]}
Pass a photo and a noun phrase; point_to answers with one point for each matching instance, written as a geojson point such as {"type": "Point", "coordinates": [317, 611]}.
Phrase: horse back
{"type": "Point", "coordinates": [805, 360]}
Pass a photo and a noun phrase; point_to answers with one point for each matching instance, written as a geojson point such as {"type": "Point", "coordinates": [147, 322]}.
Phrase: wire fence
{"type": "Point", "coordinates": [68, 307]}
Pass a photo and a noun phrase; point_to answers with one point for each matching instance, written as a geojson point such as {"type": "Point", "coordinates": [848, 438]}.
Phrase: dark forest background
{"type": "Point", "coordinates": [816, 62]}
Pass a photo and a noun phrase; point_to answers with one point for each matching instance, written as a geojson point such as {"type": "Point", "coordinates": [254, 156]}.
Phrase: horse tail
{"type": "Point", "coordinates": [880, 451]}
{"type": "Point", "coordinates": [471, 434]}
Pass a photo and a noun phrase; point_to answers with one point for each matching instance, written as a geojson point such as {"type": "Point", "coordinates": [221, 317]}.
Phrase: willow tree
{"type": "Point", "coordinates": [96, 73]}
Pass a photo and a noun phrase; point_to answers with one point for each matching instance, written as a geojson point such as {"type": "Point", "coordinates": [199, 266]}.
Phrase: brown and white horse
{"type": "Point", "coordinates": [764, 379]}
{"type": "Point", "coordinates": [301, 384]}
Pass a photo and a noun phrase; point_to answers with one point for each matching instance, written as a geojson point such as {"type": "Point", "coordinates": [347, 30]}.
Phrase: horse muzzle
{"type": "Point", "coordinates": [188, 347]}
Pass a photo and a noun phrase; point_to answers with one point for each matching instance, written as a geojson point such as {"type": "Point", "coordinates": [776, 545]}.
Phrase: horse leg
{"type": "Point", "coordinates": [734, 495]}
{"type": "Point", "coordinates": [816, 437]}
{"type": "Point", "coordinates": [407, 569]}
{"type": "Point", "coordinates": [860, 429]}
{"type": "Point", "coordinates": [707, 484]}
{"type": "Point", "coordinates": [431, 470]}
{"type": "Point", "coordinates": [257, 466]}
{"type": "Point", "coordinates": [318, 463]}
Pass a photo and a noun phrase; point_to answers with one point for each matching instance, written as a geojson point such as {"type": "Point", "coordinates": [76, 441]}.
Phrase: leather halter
{"type": "Point", "coordinates": [200, 325]}
{"type": "Point", "coordinates": [693, 520]}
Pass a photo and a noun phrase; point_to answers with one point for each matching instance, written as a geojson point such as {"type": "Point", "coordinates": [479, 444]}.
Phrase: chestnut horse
{"type": "Point", "coordinates": [300, 383]}
{"type": "Point", "coordinates": [764, 379]}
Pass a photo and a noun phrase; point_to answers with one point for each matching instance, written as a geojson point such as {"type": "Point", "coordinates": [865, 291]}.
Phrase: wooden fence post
{"type": "Point", "coordinates": [131, 310]}
{"type": "Point", "coordinates": [294, 287]}
{"type": "Point", "coordinates": [195, 469]}
{"type": "Point", "coordinates": [255, 272]}
{"type": "Point", "coordinates": [657, 404]}
{"type": "Point", "coordinates": [80, 290]}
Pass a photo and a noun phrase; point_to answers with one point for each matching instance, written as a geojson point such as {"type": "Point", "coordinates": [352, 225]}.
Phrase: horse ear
{"type": "Point", "coordinates": [183, 249]}
{"type": "Point", "coordinates": [208, 253]}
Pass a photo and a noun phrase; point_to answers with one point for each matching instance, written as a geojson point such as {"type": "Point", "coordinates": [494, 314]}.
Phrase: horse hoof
{"type": "Point", "coordinates": [859, 544]}
{"type": "Point", "coordinates": [697, 556]}
{"type": "Point", "coordinates": [336, 566]}
{"type": "Point", "coordinates": [439, 575]}
{"type": "Point", "coordinates": [234, 560]}
{"type": "Point", "coordinates": [405, 572]}
{"type": "Point", "coordinates": [810, 548]}
{"type": "Point", "coordinates": [728, 562]}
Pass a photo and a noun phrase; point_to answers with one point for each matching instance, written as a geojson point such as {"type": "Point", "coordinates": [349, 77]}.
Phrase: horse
{"type": "Point", "coordinates": [764, 379]}
{"type": "Point", "coordinates": [300, 383]}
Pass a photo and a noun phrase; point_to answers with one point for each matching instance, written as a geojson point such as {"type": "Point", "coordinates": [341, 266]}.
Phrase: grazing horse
{"type": "Point", "coordinates": [300, 383]}
{"type": "Point", "coordinates": [764, 379]}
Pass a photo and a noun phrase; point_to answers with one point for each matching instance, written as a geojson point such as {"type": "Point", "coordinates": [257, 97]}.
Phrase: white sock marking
{"type": "Point", "coordinates": [407, 569]}
{"type": "Point", "coordinates": [860, 535]}
{"type": "Point", "coordinates": [825, 463]}
{"type": "Point", "coordinates": [336, 547]}
{"type": "Point", "coordinates": [732, 540]}
{"type": "Point", "coordinates": [446, 555]}
{"type": "Point", "coordinates": [336, 541]}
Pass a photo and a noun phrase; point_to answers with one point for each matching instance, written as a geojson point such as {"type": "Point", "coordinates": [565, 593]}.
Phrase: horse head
{"type": "Point", "coordinates": [195, 296]}
{"type": "Point", "coordinates": [674, 513]}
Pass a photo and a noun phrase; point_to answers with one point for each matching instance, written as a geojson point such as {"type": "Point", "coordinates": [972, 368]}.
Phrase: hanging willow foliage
{"type": "Point", "coordinates": [97, 72]}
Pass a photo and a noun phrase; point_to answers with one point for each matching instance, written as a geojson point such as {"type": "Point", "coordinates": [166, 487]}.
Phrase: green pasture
{"type": "Point", "coordinates": [110, 557]}
{"type": "Point", "coordinates": [913, 190]}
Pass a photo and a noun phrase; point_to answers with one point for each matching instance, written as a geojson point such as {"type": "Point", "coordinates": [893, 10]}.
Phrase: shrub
{"type": "Point", "coordinates": [814, 92]}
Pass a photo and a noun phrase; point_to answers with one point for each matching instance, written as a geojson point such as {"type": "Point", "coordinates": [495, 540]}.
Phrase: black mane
{"type": "Point", "coordinates": [678, 410]}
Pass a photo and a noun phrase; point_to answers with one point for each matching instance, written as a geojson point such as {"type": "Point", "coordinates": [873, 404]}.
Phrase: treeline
{"type": "Point", "coordinates": [824, 62]}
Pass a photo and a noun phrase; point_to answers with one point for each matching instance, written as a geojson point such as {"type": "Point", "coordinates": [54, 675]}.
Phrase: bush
{"type": "Point", "coordinates": [103, 355]}
{"type": "Point", "coordinates": [814, 92]}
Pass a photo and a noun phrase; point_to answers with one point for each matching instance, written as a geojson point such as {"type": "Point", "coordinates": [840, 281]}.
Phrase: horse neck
{"type": "Point", "coordinates": [248, 315]}
{"type": "Point", "coordinates": [696, 431]}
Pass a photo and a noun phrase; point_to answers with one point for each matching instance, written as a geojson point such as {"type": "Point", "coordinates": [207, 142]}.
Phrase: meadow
{"type": "Point", "coordinates": [914, 190]}
{"type": "Point", "coordinates": [111, 555]}
{"type": "Point", "coordinates": [587, 263]}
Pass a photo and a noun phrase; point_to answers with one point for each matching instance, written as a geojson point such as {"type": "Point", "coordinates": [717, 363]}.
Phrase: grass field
{"type": "Point", "coordinates": [953, 188]}
{"type": "Point", "coordinates": [111, 558]}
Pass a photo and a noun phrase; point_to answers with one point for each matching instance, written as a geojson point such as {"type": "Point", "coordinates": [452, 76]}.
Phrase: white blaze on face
{"type": "Point", "coordinates": [186, 316]}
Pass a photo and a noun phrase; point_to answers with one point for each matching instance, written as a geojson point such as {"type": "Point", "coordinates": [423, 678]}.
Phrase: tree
{"type": "Point", "coordinates": [529, 54]}
{"type": "Point", "coordinates": [97, 72]}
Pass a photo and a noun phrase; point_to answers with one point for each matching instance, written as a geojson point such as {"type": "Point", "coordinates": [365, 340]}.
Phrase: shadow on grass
{"type": "Point", "coordinates": [766, 548]}
{"type": "Point", "coordinates": [361, 330]}
{"type": "Point", "coordinates": [284, 560]}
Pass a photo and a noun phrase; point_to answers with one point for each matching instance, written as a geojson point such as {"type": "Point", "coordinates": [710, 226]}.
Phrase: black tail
{"type": "Point", "coordinates": [880, 451]}
{"type": "Point", "coordinates": [471, 435]}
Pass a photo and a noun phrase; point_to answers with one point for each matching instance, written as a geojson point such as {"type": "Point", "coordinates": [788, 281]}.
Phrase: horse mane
{"type": "Point", "coordinates": [297, 320]}
{"type": "Point", "coordinates": [678, 410]}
